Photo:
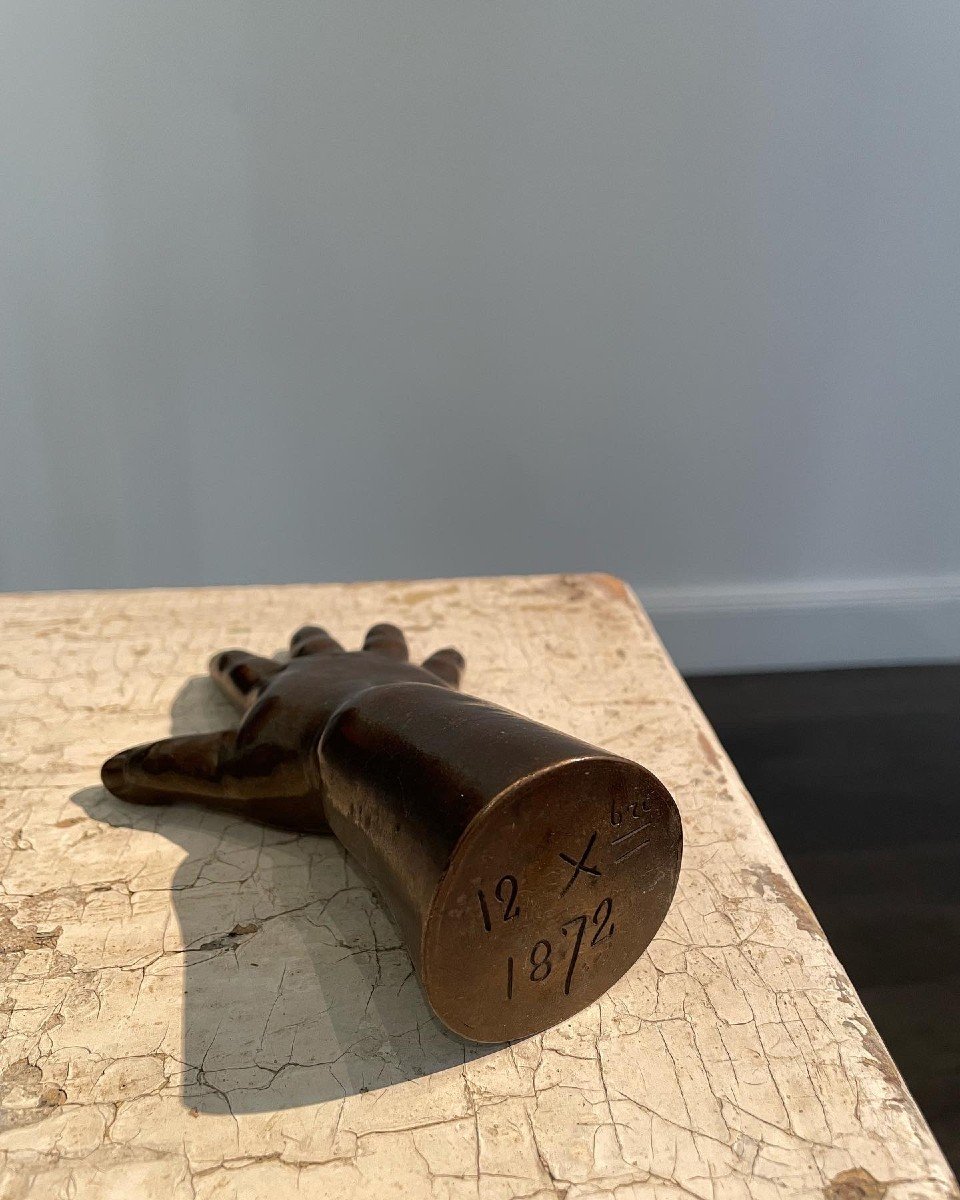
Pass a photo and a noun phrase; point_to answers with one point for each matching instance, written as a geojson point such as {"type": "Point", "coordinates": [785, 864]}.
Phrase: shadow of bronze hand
{"type": "Point", "coordinates": [286, 983]}
{"type": "Point", "coordinates": [268, 768]}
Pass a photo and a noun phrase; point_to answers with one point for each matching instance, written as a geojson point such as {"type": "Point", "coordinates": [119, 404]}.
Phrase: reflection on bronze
{"type": "Point", "coordinates": [527, 870]}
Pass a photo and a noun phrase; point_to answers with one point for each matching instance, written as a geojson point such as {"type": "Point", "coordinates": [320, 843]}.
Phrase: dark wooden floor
{"type": "Point", "coordinates": [857, 773]}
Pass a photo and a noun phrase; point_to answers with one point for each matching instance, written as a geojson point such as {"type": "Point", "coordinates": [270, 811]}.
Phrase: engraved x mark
{"type": "Point", "coordinates": [582, 865]}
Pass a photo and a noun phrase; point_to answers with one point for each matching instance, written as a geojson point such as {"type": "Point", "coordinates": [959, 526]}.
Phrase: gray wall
{"type": "Point", "coordinates": [350, 290]}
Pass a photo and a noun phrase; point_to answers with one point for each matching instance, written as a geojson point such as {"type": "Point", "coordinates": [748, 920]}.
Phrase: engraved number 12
{"type": "Point", "coordinates": [506, 893]}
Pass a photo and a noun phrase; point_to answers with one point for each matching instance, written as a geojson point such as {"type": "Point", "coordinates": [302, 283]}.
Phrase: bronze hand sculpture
{"type": "Point", "coordinates": [526, 870]}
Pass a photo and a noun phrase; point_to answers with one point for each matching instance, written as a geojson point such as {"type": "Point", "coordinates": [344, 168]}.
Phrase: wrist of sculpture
{"type": "Point", "coordinates": [527, 871]}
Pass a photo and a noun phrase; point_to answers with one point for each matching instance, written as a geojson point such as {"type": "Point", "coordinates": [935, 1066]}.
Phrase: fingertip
{"type": "Point", "coordinates": [223, 660]}
{"type": "Point", "coordinates": [113, 773]}
{"type": "Point", "coordinates": [452, 655]}
{"type": "Point", "coordinates": [447, 664]}
{"type": "Point", "coordinates": [117, 777]}
{"type": "Point", "coordinates": [386, 639]}
{"type": "Point", "coordinates": [312, 639]}
{"type": "Point", "coordinates": [384, 629]}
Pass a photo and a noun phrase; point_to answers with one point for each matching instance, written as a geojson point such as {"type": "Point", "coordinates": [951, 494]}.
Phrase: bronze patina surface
{"type": "Point", "coordinates": [526, 870]}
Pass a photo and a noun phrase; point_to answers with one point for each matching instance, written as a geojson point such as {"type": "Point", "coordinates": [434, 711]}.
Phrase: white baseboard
{"type": "Point", "coordinates": [816, 624]}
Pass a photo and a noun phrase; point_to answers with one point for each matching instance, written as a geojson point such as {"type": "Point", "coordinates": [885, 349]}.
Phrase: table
{"type": "Point", "coordinates": [197, 1007]}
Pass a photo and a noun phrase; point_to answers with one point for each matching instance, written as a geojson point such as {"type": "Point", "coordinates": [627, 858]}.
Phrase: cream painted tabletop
{"type": "Point", "coordinates": [197, 1007]}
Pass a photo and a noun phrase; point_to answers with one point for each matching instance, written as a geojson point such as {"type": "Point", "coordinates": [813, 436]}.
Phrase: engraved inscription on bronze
{"type": "Point", "coordinates": [527, 870]}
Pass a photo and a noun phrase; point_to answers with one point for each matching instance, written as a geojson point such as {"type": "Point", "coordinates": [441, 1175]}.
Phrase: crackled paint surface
{"type": "Point", "coordinates": [195, 1007]}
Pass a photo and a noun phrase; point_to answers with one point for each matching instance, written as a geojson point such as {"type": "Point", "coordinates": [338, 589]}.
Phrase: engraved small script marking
{"type": "Point", "coordinates": [635, 808]}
